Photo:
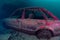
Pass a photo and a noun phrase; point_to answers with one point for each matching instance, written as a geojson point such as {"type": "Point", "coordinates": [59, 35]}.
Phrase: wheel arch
{"type": "Point", "coordinates": [45, 29]}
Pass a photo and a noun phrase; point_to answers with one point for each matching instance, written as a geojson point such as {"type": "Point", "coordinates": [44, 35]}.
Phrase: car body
{"type": "Point", "coordinates": [37, 21]}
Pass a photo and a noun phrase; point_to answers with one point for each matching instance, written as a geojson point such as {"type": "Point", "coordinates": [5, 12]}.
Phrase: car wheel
{"type": "Point", "coordinates": [45, 34]}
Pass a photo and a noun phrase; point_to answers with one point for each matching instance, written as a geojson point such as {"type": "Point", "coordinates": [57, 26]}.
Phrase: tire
{"type": "Point", "coordinates": [44, 34]}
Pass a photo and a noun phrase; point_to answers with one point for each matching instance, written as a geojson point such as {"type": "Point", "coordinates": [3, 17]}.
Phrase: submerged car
{"type": "Point", "coordinates": [36, 21]}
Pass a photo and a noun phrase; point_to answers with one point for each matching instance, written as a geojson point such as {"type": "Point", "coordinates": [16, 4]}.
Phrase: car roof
{"type": "Point", "coordinates": [31, 8]}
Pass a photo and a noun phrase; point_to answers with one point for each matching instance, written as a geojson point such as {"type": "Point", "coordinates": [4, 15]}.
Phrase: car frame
{"type": "Point", "coordinates": [47, 28]}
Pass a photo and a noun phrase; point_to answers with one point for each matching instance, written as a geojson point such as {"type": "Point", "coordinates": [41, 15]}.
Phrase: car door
{"type": "Point", "coordinates": [31, 24]}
